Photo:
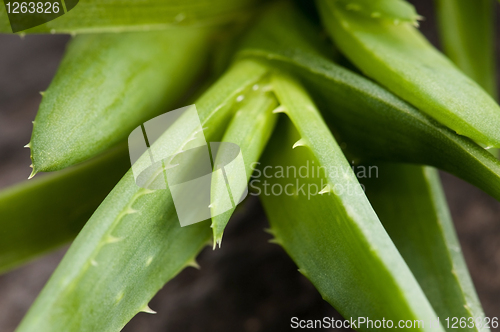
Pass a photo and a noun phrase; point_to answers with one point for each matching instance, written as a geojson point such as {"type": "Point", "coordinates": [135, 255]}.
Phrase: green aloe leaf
{"type": "Point", "coordinates": [327, 225]}
{"type": "Point", "coordinates": [394, 10]}
{"type": "Point", "coordinates": [373, 123]}
{"type": "Point", "coordinates": [400, 58]}
{"type": "Point", "coordinates": [467, 35]}
{"type": "Point", "coordinates": [410, 203]}
{"type": "Point", "coordinates": [133, 244]}
{"type": "Point", "coordinates": [91, 16]}
{"type": "Point", "coordinates": [250, 129]}
{"type": "Point", "coordinates": [106, 85]}
{"type": "Point", "coordinates": [40, 215]}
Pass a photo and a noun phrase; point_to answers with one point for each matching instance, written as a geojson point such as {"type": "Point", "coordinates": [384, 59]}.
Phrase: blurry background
{"type": "Point", "coordinates": [249, 284]}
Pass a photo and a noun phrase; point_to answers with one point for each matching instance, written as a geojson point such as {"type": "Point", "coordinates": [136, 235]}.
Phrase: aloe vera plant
{"type": "Point", "coordinates": [471, 49]}
{"type": "Point", "coordinates": [380, 248]}
{"type": "Point", "coordinates": [425, 78]}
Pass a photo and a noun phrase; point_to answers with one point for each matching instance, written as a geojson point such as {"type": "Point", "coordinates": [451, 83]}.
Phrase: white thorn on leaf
{"type": "Point", "coordinates": [33, 173]}
{"type": "Point", "coordinates": [269, 231]}
{"type": "Point", "coordinates": [119, 296]}
{"type": "Point", "coordinates": [113, 239]}
{"type": "Point", "coordinates": [28, 145]}
{"type": "Point", "coordinates": [325, 190]}
{"type": "Point", "coordinates": [275, 241]}
{"type": "Point", "coordinates": [147, 310]}
{"type": "Point", "coordinates": [131, 211]}
{"type": "Point", "coordinates": [149, 260]}
{"type": "Point", "coordinates": [300, 142]}
{"type": "Point", "coordinates": [194, 264]}
{"type": "Point", "coordinates": [279, 109]}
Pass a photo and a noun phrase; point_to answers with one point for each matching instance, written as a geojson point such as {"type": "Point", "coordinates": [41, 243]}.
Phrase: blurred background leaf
{"type": "Point", "coordinates": [91, 16]}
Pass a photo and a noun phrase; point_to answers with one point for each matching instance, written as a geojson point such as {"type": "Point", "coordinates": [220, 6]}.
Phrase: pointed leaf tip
{"type": "Point", "coordinates": [269, 231]}
{"type": "Point", "coordinates": [279, 109]}
{"type": "Point", "coordinates": [325, 190]}
{"type": "Point", "coordinates": [33, 173]}
{"type": "Point", "coordinates": [193, 263]}
{"type": "Point", "coordinates": [300, 142]}
{"type": "Point", "coordinates": [113, 239]}
{"type": "Point", "coordinates": [131, 211]}
{"type": "Point", "coordinates": [275, 241]}
{"type": "Point", "coordinates": [147, 310]}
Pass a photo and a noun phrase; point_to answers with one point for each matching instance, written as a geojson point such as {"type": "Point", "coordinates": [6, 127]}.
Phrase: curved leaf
{"type": "Point", "coordinates": [250, 129]}
{"type": "Point", "coordinates": [399, 10]}
{"type": "Point", "coordinates": [467, 35]}
{"type": "Point", "coordinates": [133, 244]}
{"type": "Point", "coordinates": [107, 85]}
{"type": "Point", "coordinates": [372, 122]}
{"type": "Point", "coordinates": [97, 16]}
{"type": "Point", "coordinates": [401, 59]}
{"type": "Point", "coordinates": [40, 215]}
{"type": "Point", "coordinates": [410, 203]}
{"type": "Point", "coordinates": [334, 235]}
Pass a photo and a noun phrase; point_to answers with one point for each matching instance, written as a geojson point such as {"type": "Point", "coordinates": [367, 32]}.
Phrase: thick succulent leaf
{"type": "Point", "coordinates": [40, 215]}
{"type": "Point", "coordinates": [106, 85]}
{"type": "Point", "coordinates": [283, 34]}
{"type": "Point", "coordinates": [467, 35]}
{"type": "Point", "coordinates": [91, 16]}
{"type": "Point", "coordinates": [410, 203]}
{"type": "Point", "coordinates": [250, 129]}
{"type": "Point", "coordinates": [394, 10]}
{"type": "Point", "coordinates": [401, 59]}
{"type": "Point", "coordinates": [334, 235]}
{"type": "Point", "coordinates": [372, 122]}
{"type": "Point", "coordinates": [391, 130]}
{"type": "Point", "coordinates": [133, 244]}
